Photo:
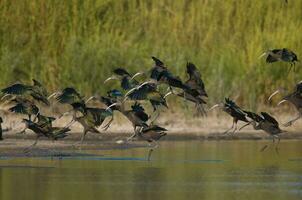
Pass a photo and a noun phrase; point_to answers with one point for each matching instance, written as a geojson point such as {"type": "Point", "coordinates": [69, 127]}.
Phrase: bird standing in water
{"type": "Point", "coordinates": [53, 133]}
{"type": "Point", "coordinates": [266, 123]}
{"type": "Point", "coordinates": [151, 134]}
{"type": "Point", "coordinates": [233, 110]}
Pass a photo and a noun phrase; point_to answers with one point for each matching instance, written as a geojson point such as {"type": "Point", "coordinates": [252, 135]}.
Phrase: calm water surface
{"type": "Point", "coordinates": [179, 170]}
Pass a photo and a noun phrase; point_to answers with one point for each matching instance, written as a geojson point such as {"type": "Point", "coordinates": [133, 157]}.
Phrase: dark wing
{"type": "Point", "coordinates": [271, 59]}
{"type": "Point", "coordinates": [107, 100]}
{"type": "Point", "coordinates": [121, 72]}
{"type": "Point", "coordinates": [141, 92]}
{"type": "Point", "coordinates": [97, 115]}
{"type": "Point", "coordinates": [16, 89]}
{"type": "Point", "coordinates": [154, 128]}
{"type": "Point", "coordinates": [158, 62]}
{"type": "Point", "coordinates": [26, 109]}
{"type": "Point", "coordinates": [172, 80]}
{"type": "Point", "coordinates": [269, 118]}
{"type": "Point", "coordinates": [59, 133]}
{"type": "Point", "coordinates": [69, 95]}
{"type": "Point", "coordinates": [137, 107]}
{"type": "Point", "coordinates": [142, 115]}
{"type": "Point", "coordinates": [192, 71]}
{"type": "Point", "coordinates": [39, 97]}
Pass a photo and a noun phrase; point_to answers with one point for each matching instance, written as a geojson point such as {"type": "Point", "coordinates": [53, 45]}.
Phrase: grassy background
{"type": "Point", "coordinates": [79, 42]}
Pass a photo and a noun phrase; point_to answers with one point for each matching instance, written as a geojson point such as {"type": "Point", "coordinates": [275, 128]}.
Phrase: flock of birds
{"type": "Point", "coordinates": [158, 84]}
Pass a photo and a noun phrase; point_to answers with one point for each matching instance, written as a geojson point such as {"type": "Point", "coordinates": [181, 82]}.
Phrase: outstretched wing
{"type": "Point", "coordinates": [69, 95]}
{"type": "Point", "coordinates": [269, 118]}
{"type": "Point", "coordinates": [121, 72]}
{"type": "Point", "coordinates": [97, 115]}
{"type": "Point", "coordinates": [140, 92]}
{"type": "Point", "coordinates": [154, 128]}
{"type": "Point", "coordinates": [16, 89]}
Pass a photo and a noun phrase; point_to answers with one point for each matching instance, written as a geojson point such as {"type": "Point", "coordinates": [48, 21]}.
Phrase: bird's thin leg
{"type": "Point", "coordinates": [133, 135]}
{"type": "Point", "coordinates": [289, 123]}
{"type": "Point", "coordinates": [83, 137]}
{"type": "Point", "coordinates": [229, 128]}
{"type": "Point", "coordinates": [108, 124]}
{"type": "Point", "coordinates": [156, 115]}
{"type": "Point", "coordinates": [22, 132]}
{"type": "Point", "coordinates": [26, 150]}
{"type": "Point", "coordinates": [151, 150]}
{"type": "Point", "coordinates": [266, 146]}
{"type": "Point", "coordinates": [235, 129]}
{"type": "Point", "coordinates": [276, 147]}
{"type": "Point", "coordinates": [244, 126]}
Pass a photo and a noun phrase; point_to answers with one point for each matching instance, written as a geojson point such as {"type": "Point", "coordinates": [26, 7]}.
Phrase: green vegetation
{"type": "Point", "coordinates": [78, 42]}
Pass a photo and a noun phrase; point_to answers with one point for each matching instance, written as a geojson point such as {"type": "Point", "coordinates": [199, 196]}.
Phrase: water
{"type": "Point", "coordinates": [178, 170]}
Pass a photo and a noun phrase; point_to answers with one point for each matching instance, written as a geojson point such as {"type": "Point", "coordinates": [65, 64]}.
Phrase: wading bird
{"type": "Point", "coordinates": [266, 123]}
{"type": "Point", "coordinates": [233, 110]}
{"type": "Point", "coordinates": [294, 98]}
{"type": "Point", "coordinates": [151, 134]}
{"type": "Point", "coordinates": [90, 118]}
{"type": "Point", "coordinates": [53, 133]}
{"type": "Point", "coordinates": [284, 55]}
{"type": "Point", "coordinates": [136, 115]}
{"type": "Point", "coordinates": [195, 89]}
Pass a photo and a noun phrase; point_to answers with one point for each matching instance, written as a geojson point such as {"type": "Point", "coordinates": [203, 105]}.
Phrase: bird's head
{"type": "Point", "coordinates": [114, 93]}
{"type": "Point", "coordinates": [280, 90]}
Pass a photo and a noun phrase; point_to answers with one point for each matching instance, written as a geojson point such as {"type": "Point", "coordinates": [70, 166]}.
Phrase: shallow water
{"type": "Point", "coordinates": [178, 170]}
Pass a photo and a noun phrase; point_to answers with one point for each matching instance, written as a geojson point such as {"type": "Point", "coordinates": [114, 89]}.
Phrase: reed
{"type": "Point", "coordinates": [79, 42]}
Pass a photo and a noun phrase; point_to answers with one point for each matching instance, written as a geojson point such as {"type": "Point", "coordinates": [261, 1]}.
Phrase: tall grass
{"type": "Point", "coordinates": [79, 42]}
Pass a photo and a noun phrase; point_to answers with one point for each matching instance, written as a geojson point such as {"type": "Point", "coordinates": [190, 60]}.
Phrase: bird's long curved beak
{"type": "Point", "coordinates": [281, 102]}
{"type": "Point", "coordinates": [137, 74]}
{"type": "Point", "coordinates": [5, 96]}
{"type": "Point", "coordinates": [130, 91]}
{"type": "Point", "coordinates": [109, 107]}
{"type": "Point", "coordinates": [52, 95]}
{"type": "Point", "coordinates": [262, 55]}
{"type": "Point", "coordinates": [273, 94]}
{"type": "Point", "coordinates": [90, 98]}
{"type": "Point", "coordinates": [166, 95]}
{"type": "Point", "coordinates": [110, 78]}
{"type": "Point", "coordinates": [213, 107]}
